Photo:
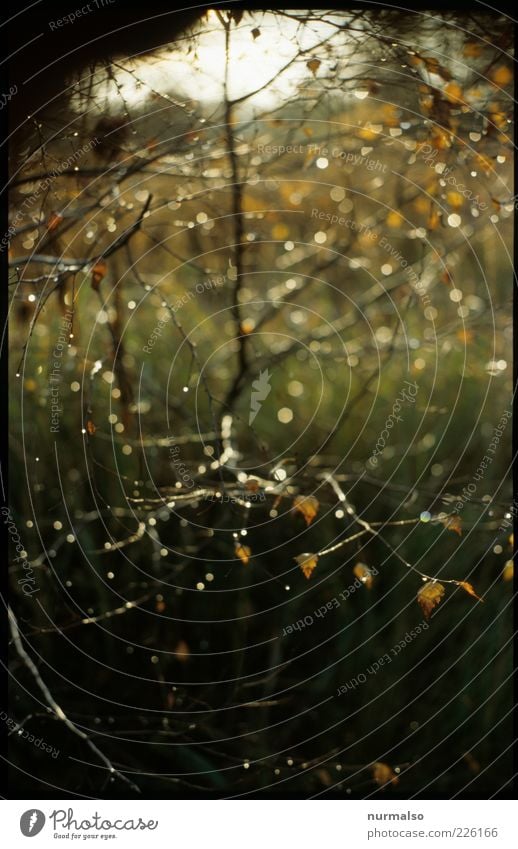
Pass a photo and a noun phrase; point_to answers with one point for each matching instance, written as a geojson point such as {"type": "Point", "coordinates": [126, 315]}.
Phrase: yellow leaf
{"type": "Point", "coordinates": [313, 65]}
{"type": "Point", "coordinates": [307, 505]}
{"type": "Point", "coordinates": [243, 552]}
{"type": "Point", "coordinates": [390, 115]}
{"type": "Point", "coordinates": [394, 219]}
{"type": "Point", "coordinates": [469, 589]}
{"type": "Point", "coordinates": [499, 119]}
{"type": "Point", "coordinates": [453, 523]}
{"type": "Point", "coordinates": [280, 231]}
{"type": "Point", "coordinates": [367, 133]}
{"type": "Point", "coordinates": [383, 774]}
{"type": "Point", "coordinates": [453, 92]}
{"type": "Point", "coordinates": [434, 219]}
{"type": "Point", "coordinates": [508, 573]}
{"type": "Point", "coordinates": [455, 199]}
{"type": "Point", "coordinates": [429, 596]}
{"type": "Point", "coordinates": [307, 563]}
{"type": "Point", "coordinates": [440, 139]}
{"type": "Point", "coordinates": [247, 326]}
{"type": "Point", "coordinates": [502, 75]}
{"type": "Point", "coordinates": [364, 574]}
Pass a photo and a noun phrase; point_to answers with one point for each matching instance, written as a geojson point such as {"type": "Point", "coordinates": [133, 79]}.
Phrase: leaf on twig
{"type": "Point", "coordinates": [455, 199]}
{"type": "Point", "coordinates": [243, 552]}
{"type": "Point", "coordinates": [54, 221]}
{"type": "Point", "coordinates": [364, 574]}
{"type": "Point", "coordinates": [429, 596]}
{"type": "Point", "coordinates": [433, 66]}
{"type": "Point", "coordinates": [307, 563]}
{"type": "Point", "coordinates": [508, 571]}
{"type": "Point", "coordinates": [453, 92]}
{"type": "Point", "coordinates": [313, 65]}
{"type": "Point", "coordinates": [307, 505]}
{"type": "Point", "coordinates": [469, 589]}
{"type": "Point", "coordinates": [236, 15]}
{"type": "Point", "coordinates": [434, 219]}
{"type": "Point", "coordinates": [98, 272]}
{"type": "Point", "coordinates": [394, 219]}
{"type": "Point", "coordinates": [383, 774]}
{"type": "Point", "coordinates": [453, 523]}
{"type": "Point", "coordinates": [440, 139]}
{"type": "Point", "coordinates": [256, 32]}
{"type": "Point", "coordinates": [90, 427]}
{"type": "Point", "coordinates": [502, 75]}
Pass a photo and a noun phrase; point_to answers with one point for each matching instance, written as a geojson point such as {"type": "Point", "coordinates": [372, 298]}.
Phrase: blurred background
{"type": "Point", "coordinates": [261, 289]}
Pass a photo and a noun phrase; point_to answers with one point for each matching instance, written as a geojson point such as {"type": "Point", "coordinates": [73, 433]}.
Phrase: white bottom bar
{"type": "Point", "coordinates": [254, 824]}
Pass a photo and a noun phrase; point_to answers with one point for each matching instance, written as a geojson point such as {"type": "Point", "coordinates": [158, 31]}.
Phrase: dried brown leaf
{"type": "Point", "coordinates": [383, 774]}
{"type": "Point", "coordinates": [429, 596]}
{"type": "Point", "coordinates": [307, 505]}
{"type": "Point", "coordinates": [98, 272]}
{"type": "Point", "coordinates": [364, 574]}
{"type": "Point", "coordinates": [508, 571]}
{"type": "Point", "coordinates": [307, 563]}
{"type": "Point", "coordinates": [243, 552]}
{"type": "Point", "coordinates": [453, 523]}
{"type": "Point", "coordinates": [469, 589]}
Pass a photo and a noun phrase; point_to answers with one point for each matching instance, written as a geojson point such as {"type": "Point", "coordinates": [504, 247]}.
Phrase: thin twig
{"type": "Point", "coordinates": [56, 709]}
